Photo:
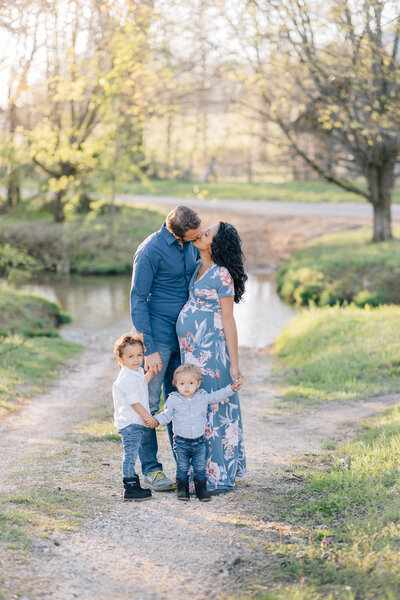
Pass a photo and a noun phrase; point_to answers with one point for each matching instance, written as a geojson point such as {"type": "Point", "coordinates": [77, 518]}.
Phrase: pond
{"type": "Point", "coordinates": [95, 303]}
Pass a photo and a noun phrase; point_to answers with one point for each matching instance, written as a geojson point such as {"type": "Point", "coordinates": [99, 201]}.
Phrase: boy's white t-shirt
{"type": "Point", "coordinates": [129, 388]}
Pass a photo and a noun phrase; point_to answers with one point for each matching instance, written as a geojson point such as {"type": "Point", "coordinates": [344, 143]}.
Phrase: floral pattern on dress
{"type": "Point", "coordinates": [202, 343]}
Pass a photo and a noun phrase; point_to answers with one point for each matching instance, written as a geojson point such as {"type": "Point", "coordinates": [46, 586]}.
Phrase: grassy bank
{"type": "Point", "coordinates": [345, 267]}
{"type": "Point", "coordinates": [83, 244]}
{"type": "Point", "coordinates": [30, 349]}
{"type": "Point", "coordinates": [29, 315]}
{"type": "Point", "coordinates": [28, 365]}
{"type": "Point", "coordinates": [339, 524]}
{"type": "Point", "coordinates": [337, 353]}
{"type": "Point", "coordinates": [332, 531]}
{"type": "Point", "coordinates": [294, 191]}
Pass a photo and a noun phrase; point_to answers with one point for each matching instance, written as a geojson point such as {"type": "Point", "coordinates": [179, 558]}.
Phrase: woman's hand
{"type": "Point", "coordinates": [237, 376]}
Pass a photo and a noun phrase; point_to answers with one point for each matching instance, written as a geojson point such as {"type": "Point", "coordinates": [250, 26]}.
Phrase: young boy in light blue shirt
{"type": "Point", "coordinates": [187, 408]}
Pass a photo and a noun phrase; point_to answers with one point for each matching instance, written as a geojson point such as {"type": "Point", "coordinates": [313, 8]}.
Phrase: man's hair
{"type": "Point", "coordinates": [187, 368]}
{"type": "Point", "coordinates": [128, 339]}
{"type": "Point", "coordinates": [181, 219]}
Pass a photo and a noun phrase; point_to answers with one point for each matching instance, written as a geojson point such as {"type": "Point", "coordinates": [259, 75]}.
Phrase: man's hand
{"type": "Point", "coordinates": [151, 422]}
{"type": "Point", "coordinates": [153, 363]}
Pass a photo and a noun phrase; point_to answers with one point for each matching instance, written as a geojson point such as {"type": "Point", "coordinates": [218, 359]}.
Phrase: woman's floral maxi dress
{"type": "Point", "coordinates": [202, 343]}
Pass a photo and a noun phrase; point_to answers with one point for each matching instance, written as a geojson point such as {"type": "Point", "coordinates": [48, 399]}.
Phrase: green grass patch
{"type": "Point", "coordinates": [83, 243]}
{"type": "Point", "coordinates": [345, 267]}
{"type": "Point", "coordinates": [29, 315]}
{"type": "Point", "coordinates": [27, 365]}
{"type": "Point", "coordinates": [39, 512]}
{"type": "Point", "coordinates": [98, 431]}
{"type": "Point", "coordinates": [347, 524]}
{"type": "Point", "coordinates": [294, 191]}
{"type": "Point", "coordinates": [99, 428]}
{"type": "Point", "coordinates": [335, 354]}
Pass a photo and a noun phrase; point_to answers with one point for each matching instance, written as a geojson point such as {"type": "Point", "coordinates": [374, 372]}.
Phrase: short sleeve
{"type": "Point", "coordinates": [224, 283]}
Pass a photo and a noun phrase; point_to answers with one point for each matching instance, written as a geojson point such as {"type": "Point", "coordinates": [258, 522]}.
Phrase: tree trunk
{"type": "Point", "coordinates": [13, 189]}
{"type": "Point", "coordinates": [58, 206]}
{"type": "Point", "coordinates": [210, 170]}
{"type": "Point", "coordinates": [112, 208]}
{"type": "Point", "coordinates": [380, 183]}
{"type": "Point", "coordinates": [382, 223]}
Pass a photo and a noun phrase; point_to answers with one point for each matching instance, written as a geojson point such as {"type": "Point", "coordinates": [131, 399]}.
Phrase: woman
{"type": "Point", "coordinates": [207, 336]}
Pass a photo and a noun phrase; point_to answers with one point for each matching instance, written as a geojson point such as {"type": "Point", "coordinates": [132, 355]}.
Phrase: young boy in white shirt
{"type": "Point", "coordinates": [131, 406]}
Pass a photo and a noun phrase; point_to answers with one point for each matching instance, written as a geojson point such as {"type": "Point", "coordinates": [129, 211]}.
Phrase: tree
{"type": "Point", "coordinates": [20, 23]}
{"type": "Point", "coordinates": [95, 54]}
{"type": "Point", "coordinates": [342, 65]}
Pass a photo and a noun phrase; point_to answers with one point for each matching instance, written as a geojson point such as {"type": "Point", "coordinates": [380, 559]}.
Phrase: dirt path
{"type": "Point", "coordinates": [159, 549]}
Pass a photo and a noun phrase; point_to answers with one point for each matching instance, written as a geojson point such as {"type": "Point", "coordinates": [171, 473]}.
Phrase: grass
{"type": "Point", "coordinates": [99, 431]}
{"type": "Point", "coordinates": [346, 523]}
{"type": "Point", "coordinates": [28, 365]}
{"type": "Point", "coordinates": [99, 427]}
{"type": "Point", "coordinates": [294, 191]}
{"type": "Point", "coordinates": [345, 267]}
{"type": "Point", "coordinates": [38, 513]}
{"type": "Point", "coordinates": [339, 354]}
{"type": "Point", "coordinates": [83, 243]}
{"type": "Point", "coordinates": [29, 315]}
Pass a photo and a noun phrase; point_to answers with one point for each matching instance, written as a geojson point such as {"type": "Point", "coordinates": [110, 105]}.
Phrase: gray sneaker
{"type": "Point", "coordinates": [159, 482]}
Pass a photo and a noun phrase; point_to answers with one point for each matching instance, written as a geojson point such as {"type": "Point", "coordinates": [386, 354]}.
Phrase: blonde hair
{"type": "Point", "coordinates": [187, 368]}
{"type": "Point", "coordinates": [128, 339]}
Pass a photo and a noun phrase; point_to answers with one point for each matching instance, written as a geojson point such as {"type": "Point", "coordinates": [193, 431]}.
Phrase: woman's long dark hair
{"type": "Point", "coordinates": [226, 251]}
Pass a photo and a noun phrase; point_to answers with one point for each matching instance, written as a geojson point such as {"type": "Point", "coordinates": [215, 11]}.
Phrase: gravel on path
{"type": "Point", "coordinates": [158, 549]}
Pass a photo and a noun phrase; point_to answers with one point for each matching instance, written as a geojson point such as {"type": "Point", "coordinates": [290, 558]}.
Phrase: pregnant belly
{"type": "Point", "coordinates": [194, 322]}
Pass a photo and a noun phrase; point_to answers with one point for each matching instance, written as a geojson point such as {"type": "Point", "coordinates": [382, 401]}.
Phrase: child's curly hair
{"type": "Point", "coordinates": [187, 368]}
{"type": "Point", "coordinates": [128, 339]}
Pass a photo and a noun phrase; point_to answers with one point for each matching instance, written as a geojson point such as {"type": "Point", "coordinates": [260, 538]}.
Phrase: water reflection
{"type": "Point", "coordinates": [262, 314]}
{"type": "Point", "coordinates": [97, 302]}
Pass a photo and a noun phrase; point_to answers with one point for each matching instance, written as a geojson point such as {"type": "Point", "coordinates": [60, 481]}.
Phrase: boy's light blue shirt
{"type": "Point", "coordinates": [189, 414]}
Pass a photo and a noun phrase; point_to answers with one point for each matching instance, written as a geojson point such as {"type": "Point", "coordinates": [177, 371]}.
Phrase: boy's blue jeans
{"type": "Point", "coordinates": [148, 451]}
{"type": "Point", "coordinates": [131, 440]}
{"type": "Point", "coordinates": [190, 451]}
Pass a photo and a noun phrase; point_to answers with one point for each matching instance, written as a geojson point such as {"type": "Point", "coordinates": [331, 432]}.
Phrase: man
{"type": "Point", "coordinates": [162, 269]}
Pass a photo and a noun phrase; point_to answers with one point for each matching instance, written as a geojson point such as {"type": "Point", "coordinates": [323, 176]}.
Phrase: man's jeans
{"type": "Point", "coordinates": [190, 451]}
{"type": "Point", "coordinates": [148, 451]}
{"type": "Point", "coordinates": [131, 438]}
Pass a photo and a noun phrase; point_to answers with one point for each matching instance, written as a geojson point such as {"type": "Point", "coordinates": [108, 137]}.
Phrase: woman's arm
{"type": "Point", "coordinates": [229, 323]}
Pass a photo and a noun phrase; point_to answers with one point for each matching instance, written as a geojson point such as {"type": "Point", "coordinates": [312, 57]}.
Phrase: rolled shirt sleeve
{"type": "Point", "coordinates": [143, 274]}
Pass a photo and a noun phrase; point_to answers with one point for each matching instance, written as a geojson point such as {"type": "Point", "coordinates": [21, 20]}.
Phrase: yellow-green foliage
{"type": "Point", "coordinates": [340, 353]}
{"type": "Point", "coordinates": [83, 243]}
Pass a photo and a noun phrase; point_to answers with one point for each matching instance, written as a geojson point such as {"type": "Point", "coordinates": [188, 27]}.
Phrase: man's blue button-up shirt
{"type": "Point", "coordinates": [162, 270]}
